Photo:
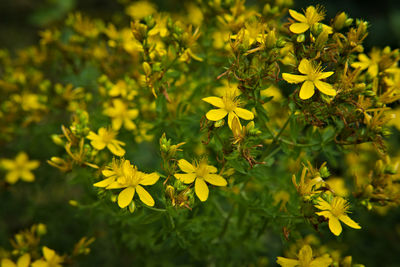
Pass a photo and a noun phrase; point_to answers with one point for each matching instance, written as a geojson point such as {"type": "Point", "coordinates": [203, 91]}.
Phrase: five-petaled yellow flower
{"type": "Point", "coordinates": [21, 167]}
{"type": "Point", "coordinates": [229, 105]}
{"type": "Point", "coordinates": [305, 259]}
{"type": "Point", "coordinates": [106, 138]}
{"type": "Point", "coordinates": [335, 211]}
{"type": "Point", "coordinates": [121, 115]}
{"type": "Point", "coordinates": [311, 16]}
{"type": "Point", "coordinates": [200, 174]}
{"type": "Point", "coordinates": [125, 175]}
{"type": "Point", "coordinates": [23, 261]}
{"type": "Point", "coordinates": [312, 77]}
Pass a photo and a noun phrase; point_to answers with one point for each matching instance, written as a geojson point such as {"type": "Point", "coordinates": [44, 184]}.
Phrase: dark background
{"type": "Point", "coordinates": [20, 20]}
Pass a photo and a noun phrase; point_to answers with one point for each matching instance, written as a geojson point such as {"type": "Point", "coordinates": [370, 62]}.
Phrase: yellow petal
{"type": "Point", "coordinates": [236, 127]}
{"type": "Point", "coordinates": [216, 114]}
{"type": "Point", "coordinates": [305, 66]}
{"type": "Point", "coordinates": [324, 75]}
{"type": "Point", "coordinates": [186, 178]}
{"type": "Point", "coordinates": [323, 261]}
{"type": "Point", "coordinates": [27, 176]}
{"type": "Point", "coordinates": [48, 253]}
{"type": "Point", "coordinates": [12, 177]}
{"type": "Point", "coordinates": [323, 205]}
{"type": "Point", "coordinates": [98, 144]}
{"type": "Point", "coordinates": [325, 88]}
{"type": "Point", "coordinates": [144, 196]}
{"type": "Point", "coordinates": [215, 179]}
{"type": "Point", "coordinates": [7, 164]}
{"type": "Point", "coordinates": [231, 116]}
{"type": "Point", "coordinates": [284, 262]}
{"type": "Point", "coordinates": [129, 125]}
{"type": "Point", "coordinates": [373, 70]}
{"type": "Point", "coordinates": [211, 169]}
{"type": "Point", "coordinates": [215, 101]}
{"type": "Point", "coordinates": [22, 157]}
{"type": "Point", "coordinates": [108, 173]}
{"type": "Point", "coordinates": [24, 260]}
{"type": "Point", "coordinates": [116, 149]}
{"type": "Point", "coordinates": [244, 114]}
{"type": "Point", "coordinates": [305, 254]}
{"type": "Point", "coordinates": [299, 27]}
{"type": "Point", "coordinates": [346, 219]}
{"type": "Point", "coordinates": [7, 263]}
{"type": "Point", "coordinates": [105, 182]}
{"type": "Point", "coordinates": [307, 90]}
{"type": "Point", "coordinates": [334, 225]}
{"type": "Point", "coordinates": [40, 263]}
{"type": "Point", "coordinates": [185, 166]}
{"type": "Point", "coordinates": [201, 189]}
{"type": "Point", "coordinates": [150, 179]}
{"type": "Point", "coordinates": [361, 65]}
{"type": "Point", "coordinates": [292, 78]}
{"type": "Point", "coordinates": [297, 16]}
{"type": "Point", "coordinates": [125, 197]}
{"type": "Point", "coordinates": [116, 123]}
{"type": "Point", "coordinates": [32, 164]}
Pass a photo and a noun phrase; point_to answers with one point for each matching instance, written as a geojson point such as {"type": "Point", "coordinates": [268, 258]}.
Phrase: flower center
{"type": "Point", "coordinates": [229, 102]}
{"type": "Point", "coordinates": [339, 206]}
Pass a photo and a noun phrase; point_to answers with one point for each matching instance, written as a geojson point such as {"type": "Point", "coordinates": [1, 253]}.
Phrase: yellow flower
{"type": "Point", "coordinates": [227, 105]}
{"type": "Point", "coordinates": [51, 259]}
{"type": "Point", "coordinates": [120, 114]}
{"type": "Point", "coordinates": [23, 261]}
{"type": "Point", "coordinates": [313, 76]}
{"type": "Point", "coordinates": [140, 9]}
{"type": "Point", "coordinates": [335, 211]}
{"type": "Point", "coordinates": [200, 174]}
{"type": "Point", "coordinates": [106, 138]}
{"type": "Point", "coordinates": [369, 63]}
{"type": "Point", "coordinates": [127, 176]}
{"type": "Point", "coordinates": [19, 168]}
{"type": "Point", "coordinates": [305, 259]}
{"type": "Point", "coordinates": [311, 16]}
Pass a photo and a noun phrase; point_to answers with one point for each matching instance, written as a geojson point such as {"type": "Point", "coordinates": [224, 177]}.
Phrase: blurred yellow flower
{"type": "Point", "coordinates": [22, 261]}
{"type": "Point", "coordinates": [20, 167]}
{"type": "Point", "coordinates": [305, 259]}
{"type": "Point", "coordinates": [51, 259]}
{"type": "Point", "coordinates": [106, 138]}
{"type": "Point", "coordinates": [200, 174]}
{"type": "Point", "coordinates": [121, 115]}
